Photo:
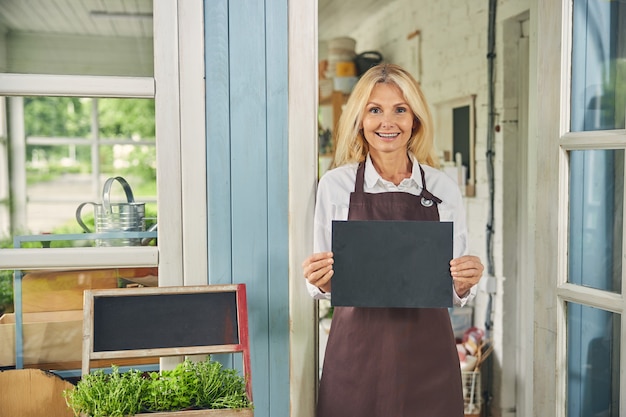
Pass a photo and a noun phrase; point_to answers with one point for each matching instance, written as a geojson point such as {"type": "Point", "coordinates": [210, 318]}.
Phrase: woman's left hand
{"type": "Point", "coordinates": [466, 272]}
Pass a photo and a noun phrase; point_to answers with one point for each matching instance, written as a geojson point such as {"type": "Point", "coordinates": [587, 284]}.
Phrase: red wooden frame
{"type": "Point", "coordinates": [242, 347]}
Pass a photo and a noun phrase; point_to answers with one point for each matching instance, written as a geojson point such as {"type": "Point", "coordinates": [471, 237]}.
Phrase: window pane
{"type": "Point", "coordinates": [73, 145]}
{"type": "Point", "coordinates": [596, 218]}
{"type": "Point", "coordinates": [75, 37]}
{"type": "Point", "coordinates": [598, 65]}
{"type": "Point", "coordinates": [137, 116]}
{"type": "Point", "coordinates": [593, 345]}
{"type": "Point", "coordinates": [52, 313]}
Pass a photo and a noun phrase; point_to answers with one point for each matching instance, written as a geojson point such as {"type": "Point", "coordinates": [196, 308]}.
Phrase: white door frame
{"type": "Point", "coordinates": [552, 291]}
{"type": "Point", "coordinates": [515, 190]}
{"type": "Point", "coordinates": [303, 93]}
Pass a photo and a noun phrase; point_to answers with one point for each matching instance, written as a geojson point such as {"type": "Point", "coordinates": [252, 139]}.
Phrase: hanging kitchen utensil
{"type": "Point", "coordinates": [367, 60]}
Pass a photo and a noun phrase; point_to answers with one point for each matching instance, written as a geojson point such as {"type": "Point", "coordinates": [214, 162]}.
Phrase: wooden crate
{"type": "Point", "coordinates": [63, 290]}
{"type": "Point", "coordinates": [52, 340]}
{"type": "Point", "coordinates": [52, 303]}
{"type": "Point", "coordinates": [49, 337]}
{"type": "Point", "coordinates": [246, 412]}
{"type": "Point", "coordinates": [33, 393]}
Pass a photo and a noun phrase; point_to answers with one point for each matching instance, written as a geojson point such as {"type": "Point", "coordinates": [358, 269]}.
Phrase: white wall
{"type": "Point", "coordinates": [3, 49]}
{"type": "Point", "coordinates": [77, 55]}
{"type": "Point", "coordinates": [448, 57]}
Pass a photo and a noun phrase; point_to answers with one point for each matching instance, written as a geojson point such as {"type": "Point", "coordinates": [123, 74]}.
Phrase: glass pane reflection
{"type": "Point", "coordinates": [593, 346]}
{"type": "Point", "coordinates": [74, 37]}
{"type": "Point", "coordinates": [596, 218]}
{"type": "Point", "coordinates": [73, 144]}
{"type": "Point", "coordinates": [598, 65]}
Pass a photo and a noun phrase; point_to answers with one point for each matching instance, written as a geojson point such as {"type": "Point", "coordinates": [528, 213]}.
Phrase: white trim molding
{"type": "Point", "coordinates": [79, 258]}
{"type": "Point", "coordinates": [302, 189]}
{"type": "Point", "coordinates": [76, 85]}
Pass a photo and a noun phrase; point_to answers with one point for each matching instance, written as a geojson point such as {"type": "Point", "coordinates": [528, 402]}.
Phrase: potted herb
{"type": "Point", "coordinates": [191, 389]}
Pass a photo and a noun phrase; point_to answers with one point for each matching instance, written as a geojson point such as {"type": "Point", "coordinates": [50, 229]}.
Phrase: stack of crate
{"type": "Point", "coordinates": [52, 319]}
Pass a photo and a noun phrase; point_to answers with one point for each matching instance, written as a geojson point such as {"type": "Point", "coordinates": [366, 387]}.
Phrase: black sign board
{"type": "Point", "coordinates": [166, 321]}
{"type": "Point", "coordinates": [392, 264]}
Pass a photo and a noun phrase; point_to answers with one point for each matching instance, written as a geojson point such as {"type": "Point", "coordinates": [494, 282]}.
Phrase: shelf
{"type": "Point", "coordinates": [336, 100]}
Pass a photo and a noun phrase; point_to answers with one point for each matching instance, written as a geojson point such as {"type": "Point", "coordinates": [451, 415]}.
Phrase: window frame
{"type": "Point", "coordinates": [565, 291]}
{"type": "Point", "coordinates": [180, 140]}
{"type": "Point", "coordinates": [19, 85]}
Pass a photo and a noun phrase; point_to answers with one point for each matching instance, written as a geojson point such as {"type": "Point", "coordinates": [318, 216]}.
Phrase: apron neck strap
{"type": "Point", "coordinates": [425, 193]}
{"type": "Point", "coordinates": [360, 178]}
{"type": "Point", "coordinates": [360, 181]}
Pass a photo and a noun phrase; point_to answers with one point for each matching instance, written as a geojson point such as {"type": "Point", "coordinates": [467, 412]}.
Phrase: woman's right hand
{"type": "Point", "coordinates": [318, 270]}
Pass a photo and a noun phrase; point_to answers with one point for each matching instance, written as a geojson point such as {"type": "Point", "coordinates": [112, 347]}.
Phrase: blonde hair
{"type": "Point", "coordinates": [351, 144]}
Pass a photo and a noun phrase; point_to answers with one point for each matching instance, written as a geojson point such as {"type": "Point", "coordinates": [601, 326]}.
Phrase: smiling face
{"type": "Point", "coordinates": [388, 122]}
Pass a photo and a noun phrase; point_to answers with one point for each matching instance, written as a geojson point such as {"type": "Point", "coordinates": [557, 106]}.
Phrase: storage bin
{"type": "Point", "coordinates": [52, 318]}
{"type": "Point", "coordinates": [472, 398]}
{"type": "Point", "coordinates": [343, 43]}
{"type": "Point", "coordinates": [344, 84]}
{"type": "Point", "coordinates": [50, 338]}
{"type": "Point", "coordinates": [345, 69]}
{"type": "Point", "coordinates": [339, 50]}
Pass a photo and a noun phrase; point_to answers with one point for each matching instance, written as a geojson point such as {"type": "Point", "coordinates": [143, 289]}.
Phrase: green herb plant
{"type": "Point", "coordinates": [191, 385]}
{"type": "Point", "coordinates": [115, 394]}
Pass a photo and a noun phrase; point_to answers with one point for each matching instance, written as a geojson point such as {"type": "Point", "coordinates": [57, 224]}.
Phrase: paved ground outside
{"type": "Point", "coordinates": [54, 203]}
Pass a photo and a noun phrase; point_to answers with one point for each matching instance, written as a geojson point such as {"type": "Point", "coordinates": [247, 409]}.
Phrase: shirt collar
{"type": "Point", "coordinates": [372, 176]}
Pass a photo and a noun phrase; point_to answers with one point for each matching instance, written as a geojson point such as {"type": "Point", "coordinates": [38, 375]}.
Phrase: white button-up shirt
{"type": "Point", "coordinates": [333, 203]}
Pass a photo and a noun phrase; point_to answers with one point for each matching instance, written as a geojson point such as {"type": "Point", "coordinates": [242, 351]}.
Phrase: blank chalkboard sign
{"type": "Point", "coordinates": [165, 321]}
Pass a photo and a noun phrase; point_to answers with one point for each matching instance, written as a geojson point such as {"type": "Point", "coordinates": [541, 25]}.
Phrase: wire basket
{"type": "Point", "coordinates": [471, 392]}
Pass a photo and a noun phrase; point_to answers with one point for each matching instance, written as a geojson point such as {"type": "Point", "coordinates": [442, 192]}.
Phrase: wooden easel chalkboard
{"type": "Point", "coordinates": [166, 321]}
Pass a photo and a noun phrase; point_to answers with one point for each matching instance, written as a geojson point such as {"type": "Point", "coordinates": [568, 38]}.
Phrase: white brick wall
{"type": "Point", "coordinates": [453, 64]}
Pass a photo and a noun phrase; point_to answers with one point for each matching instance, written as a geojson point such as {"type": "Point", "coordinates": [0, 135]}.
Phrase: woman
{"type": "Point", "coordinates": [389, 361]}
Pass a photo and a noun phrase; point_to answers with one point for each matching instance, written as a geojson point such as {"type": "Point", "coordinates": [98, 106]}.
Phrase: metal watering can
{"type": "Point", "coordinates": [115, 217]}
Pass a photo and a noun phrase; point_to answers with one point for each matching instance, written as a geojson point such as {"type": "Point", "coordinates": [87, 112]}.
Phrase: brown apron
{"type": "Point", "coordinates": [391, 362]}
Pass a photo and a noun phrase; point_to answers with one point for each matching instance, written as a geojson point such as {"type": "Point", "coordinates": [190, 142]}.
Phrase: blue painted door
{"type": "Point", "coordinates": [247, 179]}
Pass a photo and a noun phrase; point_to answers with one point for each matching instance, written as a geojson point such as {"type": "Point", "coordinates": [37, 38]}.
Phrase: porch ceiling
{"type": "Point", "coordinates": [114, 18]}
{"type": "Point", "coordinates": [120, 18]}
